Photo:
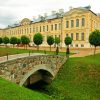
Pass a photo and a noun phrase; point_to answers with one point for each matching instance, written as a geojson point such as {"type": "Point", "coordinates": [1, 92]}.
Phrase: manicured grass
{"type": "Point", "coordinates": [10, 51]}
{"type": "Point", "coordinates": [79, 79]}
{"type": "Point", "coordinates": [11, 91]}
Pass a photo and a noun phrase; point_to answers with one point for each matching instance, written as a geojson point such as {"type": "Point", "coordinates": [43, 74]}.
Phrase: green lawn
{"type": "Point", "coordinates": [79, 79]}
{"type": "Point", "coordinates": [10, 51]}
{"type": "Point", "coordinates": [10, 91]}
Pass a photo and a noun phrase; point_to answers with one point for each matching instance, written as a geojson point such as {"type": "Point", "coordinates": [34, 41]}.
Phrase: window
{"type": "Point", "coordinates": [33, 29]}
{"type": "Point", "coordinates": [22, 31]}
{"type": "Point", "coordinates": [43, 28]}
{"type": "Point", "coordinates": [77, 36]}
{"type": "Point", "coordinates": [67, 24]}
{"type": "Point", "coordinates": [55, 36]}
{"type": "Point", "coordinates": [77, 22]}
{"type": "Point", "coordinates": [76, 45]}
{"type": "Point", "coordinates": [72, 36]}
{"type": "Point", "coordinates": [59, 26]}
{"type": "Point", "coordinates": [40, 28]}
{"type": "Point", "coordinates": [27, 30]}
{"type": "Point", "coordinates": [82, 45]}
{"type": "Point", "coordinates": [30, 30]}
{"type": "Point", "coordinates": [82, 36]}
{"type": "Point", "coordinates": [67, 35]}
{"type": "Point", "coordinates": [59, 36]}
{"type": "Point", "coordinates": [36, 29]}
{"type": "Point", "coordinates": [51, 27]}
{"type": "Point", "coordinates": [71, 45]}
{"type": "Point", "coordinates": [72, 23]}
{"type": "Point", "coordinates": [83, 21]}
{"type": "Point", "coordinates": [55, 26]}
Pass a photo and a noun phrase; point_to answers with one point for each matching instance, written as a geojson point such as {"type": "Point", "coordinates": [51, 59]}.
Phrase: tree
{"type": "Point", "coordinates": [25, 40]}
{"type": "Point", "coordinates": [1, 40]}
{"type": "Point", "coordinates": [50, 41]}
{"type": "Point", "coordinates": [57, 41]}
{"type": "Point", "coordinates": [67, 41]}
{"type": "Point", "coordinates": [38, 39]}
{"type": "Point", "coordinates": [94, 39]}
{"type": "Point", "coordinates": [5, 40]}
{"type": "Point", "coordinates": [13, 40]}
{"type": "Point", "coordinates": [18, 41]}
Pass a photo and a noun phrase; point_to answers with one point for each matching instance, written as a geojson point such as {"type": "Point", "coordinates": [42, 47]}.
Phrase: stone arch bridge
{"type": "Point", "coordinates": [25, 70]}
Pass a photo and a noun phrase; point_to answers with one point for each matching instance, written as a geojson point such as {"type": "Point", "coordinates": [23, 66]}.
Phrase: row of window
{"type": "Point", "coordinates": [77, 45]}
{"type": "Point", "coordinates": [72, 23]}
{"type": "Point", "coordinates": [77, 36]}
{"type": "Point", "coordinates": [37, 29]}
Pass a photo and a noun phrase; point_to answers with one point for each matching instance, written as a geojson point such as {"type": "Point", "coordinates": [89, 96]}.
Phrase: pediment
{"type": "Point", "coordinates": [25, 21]}
{"type": "Point", "coordinates": [75, 11]}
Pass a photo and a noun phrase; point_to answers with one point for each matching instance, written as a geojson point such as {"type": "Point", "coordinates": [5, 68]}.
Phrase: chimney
{"type": "Point", "coordinates": [53, 12]}
{"type": "Point", "coordinates": [61, 11]}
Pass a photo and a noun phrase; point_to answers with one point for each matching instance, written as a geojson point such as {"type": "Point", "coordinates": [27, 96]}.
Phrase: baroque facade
{"type": "Point", "coordinates": [77, 23]}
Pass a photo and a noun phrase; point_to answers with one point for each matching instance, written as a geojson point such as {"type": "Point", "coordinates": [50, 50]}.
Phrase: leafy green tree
{"type": "Point", "coordinates": [1, 40]}
{"type": "Point", "coordinates": [94, 39]}
{"type": "Point", "coordinates": [13, 40]}
{"type": "Point", "coordinates": [25, 40]}
{"type": "Point", "coordinates": [68, 41]}
{"type": "Point", "coordinates": [57, 41]}
{"type": "Point", "coordinates": [38, 39]}
{"type": "Point", "coordinates": [18, 41]}
{"type": "Point", "coordinates": [50, 41]}
{"type": "Point", "coordinates": [5, 41]}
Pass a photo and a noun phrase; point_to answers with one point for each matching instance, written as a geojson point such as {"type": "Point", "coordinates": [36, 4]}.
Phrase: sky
{"type": "Point", "coordinates": [13, 11]}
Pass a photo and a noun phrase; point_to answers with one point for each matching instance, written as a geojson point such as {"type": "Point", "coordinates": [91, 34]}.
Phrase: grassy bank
{"type": "Point", "coordinates": [79, 79]}
{"type": "Point", "coordinates": [10, 51]}
{"type": "Point", "coordinates": [10, 91]}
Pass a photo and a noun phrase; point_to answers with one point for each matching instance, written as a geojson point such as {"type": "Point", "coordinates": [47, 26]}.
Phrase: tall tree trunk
{"type": "Point", "coordinates": [57, 50]}
{"type": "Point", "coordinates": [94, 50]}
{"type": "Point", "coordinates": [13, 45]}
{"type": "Point", "coordinates": [6, 45]}
{"type": "Point", "coordinates": [17, 46]}
{"type": "Point", "coordinates": [26, 46]}
{"type": "Point", "coordinates": [67, 51]}
{"type": "Point", "coordinates": [50, 47]}
{"type": "Point", "coordinates": [37, 47]}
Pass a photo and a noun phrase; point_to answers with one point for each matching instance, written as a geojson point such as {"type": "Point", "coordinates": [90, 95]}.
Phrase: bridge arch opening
{"type": "Point", "coordinates": [39, 73]}
{"type": "Point", "coordinates": [38, 80]}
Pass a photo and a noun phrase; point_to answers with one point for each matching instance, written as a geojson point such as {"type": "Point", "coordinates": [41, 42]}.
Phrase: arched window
{"type": "Point", "coordinates": [82, 36]}
{"type": "Point", "coordinates": [36, 29]}
{"type": "Point", "coordinates": [83, 21]}
{"type": "Point", "coordinates": [72, 36]}
{"type": "Point", "coordinates": [77, 36]}
{"type": "Point", "coordinates": [72, 23]}
{"type": "Point", "coordinates": [67, 35]}
{"type": "Point", "coordinates": [67, 24]}
{"type": "Point", "coordinates": [77, 22]}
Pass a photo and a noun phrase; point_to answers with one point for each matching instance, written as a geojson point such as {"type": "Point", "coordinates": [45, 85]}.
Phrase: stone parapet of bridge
{"type": "Point", "coordinates": [20, 69]}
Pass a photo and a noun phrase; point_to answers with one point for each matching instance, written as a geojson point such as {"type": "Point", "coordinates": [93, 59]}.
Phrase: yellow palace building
{"type": "Point", "coordinates": [77, 23]}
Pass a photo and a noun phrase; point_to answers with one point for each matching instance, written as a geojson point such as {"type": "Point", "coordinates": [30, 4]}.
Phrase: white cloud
{"type": "Point", "coordinates": [13, 10]}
